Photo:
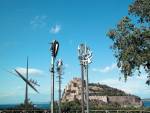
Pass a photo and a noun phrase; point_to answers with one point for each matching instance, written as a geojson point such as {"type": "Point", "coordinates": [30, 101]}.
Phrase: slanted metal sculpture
{"type": "Point", "coordinates": [30, 83]}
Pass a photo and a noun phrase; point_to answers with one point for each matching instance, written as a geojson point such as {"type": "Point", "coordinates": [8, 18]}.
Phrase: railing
{"type": "Point", "coordinates": [75, 111]}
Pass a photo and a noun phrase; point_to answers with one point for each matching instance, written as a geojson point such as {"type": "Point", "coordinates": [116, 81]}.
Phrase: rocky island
{"type": "Point", "coordinates": [100, 94]}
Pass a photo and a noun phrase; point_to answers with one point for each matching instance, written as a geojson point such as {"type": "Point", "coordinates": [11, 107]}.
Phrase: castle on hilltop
{"type": "Point", "coordinates": [102, 94]}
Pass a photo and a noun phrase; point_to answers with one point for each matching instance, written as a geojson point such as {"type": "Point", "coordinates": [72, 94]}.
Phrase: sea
{"type": "Point", "coordinates": [47, 106]}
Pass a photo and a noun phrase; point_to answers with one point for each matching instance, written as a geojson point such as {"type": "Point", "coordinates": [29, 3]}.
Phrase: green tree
{"type": "Point", "coordinates": [131, 39]}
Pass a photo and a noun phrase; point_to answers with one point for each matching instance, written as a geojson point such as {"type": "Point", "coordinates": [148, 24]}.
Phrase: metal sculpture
{"type": "Point", "coordinates": [30, 82]}
{"type": "Point", "coordinates": [85, 56]}
{"type": "Point", "coordinates": [54, 50]}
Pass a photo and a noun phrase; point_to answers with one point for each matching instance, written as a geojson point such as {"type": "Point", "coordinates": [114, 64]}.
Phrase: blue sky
{"type": "Point", "coordinates": [27, 27]}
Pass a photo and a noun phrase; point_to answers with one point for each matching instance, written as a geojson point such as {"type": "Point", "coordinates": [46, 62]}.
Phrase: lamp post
{"type": "Point", "coordinates": [60, 72]}
{"type": "Point", "coordinates": [54, 50]}
{"type": "Point", "coordinates": [85, 56]}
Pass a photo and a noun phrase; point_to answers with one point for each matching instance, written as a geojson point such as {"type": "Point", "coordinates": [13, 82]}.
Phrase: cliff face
{"type": "Point", "coordinates": [102, 94]}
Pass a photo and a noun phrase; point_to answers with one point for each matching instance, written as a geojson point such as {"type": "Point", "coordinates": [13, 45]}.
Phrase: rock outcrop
{"type": "Point", "coordinates": [102, 94]}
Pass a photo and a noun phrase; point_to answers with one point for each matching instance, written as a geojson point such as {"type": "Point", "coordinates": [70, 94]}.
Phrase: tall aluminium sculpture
{"type": "Point", "coordinates": [85, 56]}
{"type": "Point", "coordinates": [60, 72]}
{"type": "Point", "coordinates": [54, 50]}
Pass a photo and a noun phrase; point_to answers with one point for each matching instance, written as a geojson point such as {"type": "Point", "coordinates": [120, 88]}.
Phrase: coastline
{"type": "Point", "coordinates": [46, 105]}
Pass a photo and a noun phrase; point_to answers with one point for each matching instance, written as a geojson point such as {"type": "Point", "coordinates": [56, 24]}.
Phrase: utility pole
{"type": "Point", "coordinates": [54, 50]}
{"type": "Point", "coordinates": [84, 55]}
{"type": "Point", "coordinates": [60, 72]}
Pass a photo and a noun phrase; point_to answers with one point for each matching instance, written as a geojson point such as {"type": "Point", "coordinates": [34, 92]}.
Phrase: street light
{"type": "Point", "coordinates": [54, 50]}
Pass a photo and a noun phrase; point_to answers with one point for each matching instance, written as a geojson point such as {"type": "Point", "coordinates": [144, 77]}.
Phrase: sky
{"type": "Point", "coordinates": [28, 26]}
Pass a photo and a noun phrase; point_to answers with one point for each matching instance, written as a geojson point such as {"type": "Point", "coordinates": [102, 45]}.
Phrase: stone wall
{"type": "Point", "coordinates": [126, 100]}
{"type": "Point", "coordinates": [99, 98]}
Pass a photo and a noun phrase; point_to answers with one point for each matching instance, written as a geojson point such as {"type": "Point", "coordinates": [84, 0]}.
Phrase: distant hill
{"type": "Point", "coordinates": [146, 99]}
{"type": "Point", "coordinates": [100, 94]}
{"type": "Point", "coordinates": [101, 90]}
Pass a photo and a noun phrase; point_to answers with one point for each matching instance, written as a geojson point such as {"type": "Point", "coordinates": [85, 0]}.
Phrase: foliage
{"type": "Point", "coordinates": [76, 105]}
{"type": "Point", "coordinates": [141, 8]}
{"type": "Point", "coordinates": [72, 105]}
{"type": "Point", "coordinates": [29, 106]}
{"type": "Point", "coordinates": [106, 90]}
{"type": "Point", "coordinates": [131, 41]}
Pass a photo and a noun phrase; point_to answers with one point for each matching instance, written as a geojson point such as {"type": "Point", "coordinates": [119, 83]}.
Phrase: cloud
{"type": "Point", "coordinates": [142, 77]}
{"type": "Point", "coordinates": [31, 71]}
{"type": "Point", "coordinates": [119, 84]}
{"type": "Point", "coordinates": [12, 92]}
{"type": "Point", "coordinates": [134, 85]}
{"type": "Point", "coordinates": [66, 65]}
{"type": "Point", "coordinates": [6, 95]}
{"type": "Point", "coordinates": [105, 69]}
{"type": "Point", "coordinates": [55, 29]}
{"type": "Point", "coordinates": [38, 22]}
